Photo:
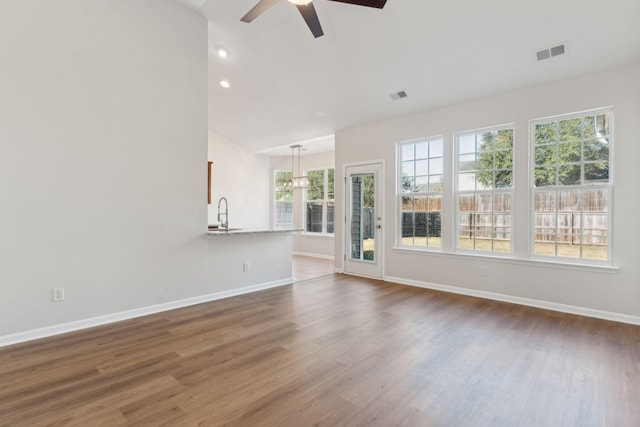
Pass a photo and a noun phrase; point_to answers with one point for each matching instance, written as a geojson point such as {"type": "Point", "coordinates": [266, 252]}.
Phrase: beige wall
{"type": "Point", "coordinates": [103, 150]}
{"type": "Point", "coordinates": [241, 177]}
{"type": "Point", "coordinates": [588, 288]}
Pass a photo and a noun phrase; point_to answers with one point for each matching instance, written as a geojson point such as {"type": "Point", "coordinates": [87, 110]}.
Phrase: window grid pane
{"type": "Point", "coordinates": [484, 169]}
{"type": "Point", "coordinates": [577, 228]}
{"type": "Point", "coordinates": [315, 190]}
{"type": "Point", "coordinates": [319, 201]}
{"type": "Point", "coordinates": [315, 213]}
{"type": "Point", "coordinates": [283, 216]}
{"type": "Point", "coordinates": [571, 181]}
{"type": "Point", "coordinates": [420, 188]}
{"type": "Point", "coordinates": [572, 152]}
{"type": "Point", "coordinates": [331, 184]}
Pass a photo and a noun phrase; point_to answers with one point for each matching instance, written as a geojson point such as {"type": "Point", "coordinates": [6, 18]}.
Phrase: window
{"type": "Point", "coordinates": [484, 169]}
{"type": "Point", "coordinates": [283, 192]}
{"type": "Point", "coordinates": [420, 191]}
{"type": "Point", "coordinates": [572, 186]}
{"type": "Point", "coordinates": [320, 201]}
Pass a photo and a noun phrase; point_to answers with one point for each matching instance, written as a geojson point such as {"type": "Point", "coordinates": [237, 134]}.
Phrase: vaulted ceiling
{"type": "Point", "coordinates": [288, 87]}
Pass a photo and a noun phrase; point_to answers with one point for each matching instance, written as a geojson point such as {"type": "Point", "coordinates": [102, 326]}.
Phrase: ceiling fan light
{"type": "Point", "coordinates": [300, 2]}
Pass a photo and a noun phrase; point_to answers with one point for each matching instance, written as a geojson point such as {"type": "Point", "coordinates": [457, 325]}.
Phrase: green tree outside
{"type": "Point", "coordinates": [495, 160]}
{"type": "Point", "coordinates": [572, 152]}
{"type": "Point", "coordinates": [562, 148]}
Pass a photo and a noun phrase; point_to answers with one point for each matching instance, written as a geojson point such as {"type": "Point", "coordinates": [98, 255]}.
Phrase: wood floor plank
{"type": "Point", "coordinates": [331, 351]}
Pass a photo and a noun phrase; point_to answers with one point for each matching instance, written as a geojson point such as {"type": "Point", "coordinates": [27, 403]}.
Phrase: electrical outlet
{"type": "Point", "coordinates": [245, 266]}
{"type": "Point", "coordinates": [483, 271]}
{"type": "Point", "coordinates": [57, 294]}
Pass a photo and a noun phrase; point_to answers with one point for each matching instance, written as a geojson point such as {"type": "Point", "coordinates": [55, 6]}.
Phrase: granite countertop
{"type": "Point", "coordinates": [243, 231]}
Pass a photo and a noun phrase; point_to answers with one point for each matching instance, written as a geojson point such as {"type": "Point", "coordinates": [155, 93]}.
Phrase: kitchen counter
{"type": "Point", "coordinates": [244, 231]}
{"type": "Point", "coordinates": [253, 259]}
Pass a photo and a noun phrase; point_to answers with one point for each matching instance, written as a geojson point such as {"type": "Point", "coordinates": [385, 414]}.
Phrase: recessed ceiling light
{"type": "Point", "coordinates": [225, 84]}
{"type": "Point", "coordinates": [222, 52]}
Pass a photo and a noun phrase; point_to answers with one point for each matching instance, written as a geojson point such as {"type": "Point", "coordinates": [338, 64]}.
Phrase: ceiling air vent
{"type": "Point", "coordinates": [398, 95]}
{"type": "Point", "coordinates": [543, 54]}
{"type": "Point", "coordinates": [550, 52]}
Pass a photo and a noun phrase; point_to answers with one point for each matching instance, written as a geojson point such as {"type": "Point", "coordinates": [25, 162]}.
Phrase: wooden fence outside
{"type": "Point", "coordinates": [581, 216]}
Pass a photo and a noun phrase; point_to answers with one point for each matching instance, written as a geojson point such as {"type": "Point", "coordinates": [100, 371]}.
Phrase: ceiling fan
{"type": "Point", "coordinates": [307, 11]}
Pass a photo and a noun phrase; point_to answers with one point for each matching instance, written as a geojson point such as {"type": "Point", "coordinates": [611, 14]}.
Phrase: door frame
{"type": "Point", "coordinates": [380, 210]}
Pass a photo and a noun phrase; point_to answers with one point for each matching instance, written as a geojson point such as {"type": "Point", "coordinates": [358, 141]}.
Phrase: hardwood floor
{"type": "Point", "coordinates": [305, 267]}
{"type": "Point", "coordinates": [333, 351]}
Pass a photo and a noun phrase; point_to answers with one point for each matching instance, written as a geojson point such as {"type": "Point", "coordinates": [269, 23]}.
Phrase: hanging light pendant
{"type": "Point", "coordinates": [298, 180]}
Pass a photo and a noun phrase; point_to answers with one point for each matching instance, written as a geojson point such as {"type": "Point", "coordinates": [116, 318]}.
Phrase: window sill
{"type": "Point", "coordinates": [537, 262]}
{"type": "Point", "coordinates": [321, 235]}
{"type": "Point", "coordinates": [425, 249]}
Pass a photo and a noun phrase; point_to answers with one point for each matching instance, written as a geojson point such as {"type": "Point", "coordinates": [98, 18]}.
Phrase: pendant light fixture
{"type": "Point", "coordinates": [297, 180]}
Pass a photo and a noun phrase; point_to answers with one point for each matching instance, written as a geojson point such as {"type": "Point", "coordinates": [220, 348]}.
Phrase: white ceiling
{"type": "Point", "coordinates": [288, 87]}
{"type": "Point", "coordinates": [309, 146]}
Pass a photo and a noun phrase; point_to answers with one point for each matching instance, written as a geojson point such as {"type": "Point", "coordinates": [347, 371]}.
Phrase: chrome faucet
{"type": "Point", "coordinates": [224, 224]}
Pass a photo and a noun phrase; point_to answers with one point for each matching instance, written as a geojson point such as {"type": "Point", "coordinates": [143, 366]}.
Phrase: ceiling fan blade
{"type": "Point", "coordinates": [310, 16]}
{"type": "Point", "coordinates": [379, 4]}
{"type": "Point", "coordinates": [258, 10]}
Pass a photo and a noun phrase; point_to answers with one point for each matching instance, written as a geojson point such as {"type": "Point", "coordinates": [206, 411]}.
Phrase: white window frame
{"type": "Point", "coordinates": [276, 224]}
{"type": "Point", "coordinates": [583, 186]}
{"type": "Point", "coordinates": [427, 194]}
{"type": "Point", "coordinates": [325, 203]}
{"type": "Point", "coordinates": [457, 193]}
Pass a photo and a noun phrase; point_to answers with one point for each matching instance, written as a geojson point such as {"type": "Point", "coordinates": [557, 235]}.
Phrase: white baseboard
{"type": "Point", "coordinates": [144, 311]}
{"type": "Point", "coordinates": [63, 328]}
{"type": "Point", "coordinates": [554, 306]}
{"type": "Point", "coordinates": [312, 255]}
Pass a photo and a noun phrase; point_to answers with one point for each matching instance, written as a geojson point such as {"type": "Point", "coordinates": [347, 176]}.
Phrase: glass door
{"type": "Point", "coordinates": [364, 221]}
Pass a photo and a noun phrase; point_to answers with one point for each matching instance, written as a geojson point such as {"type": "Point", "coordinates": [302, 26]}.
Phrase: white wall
{"type": "Point", "coordinates": [243, 178]}
{"type": "Point", "coordinates": [103, 150]}
{"type": "Point", "coordinates": [322, 246]}
{"type": "Point", "coordinates": [617, 292]}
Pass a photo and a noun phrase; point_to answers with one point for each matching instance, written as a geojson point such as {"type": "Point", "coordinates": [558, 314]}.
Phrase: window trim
{"type": "Point", "coordinates": [522, 241]}
{"type": "Point", "coordinates": [427, 194]}
{"type": "Point", "coordinates": [325, 203]}
{"type": "Point", "coordinates": [609, 186]}
{"type": "Point", "coordinates": [456, 193]}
